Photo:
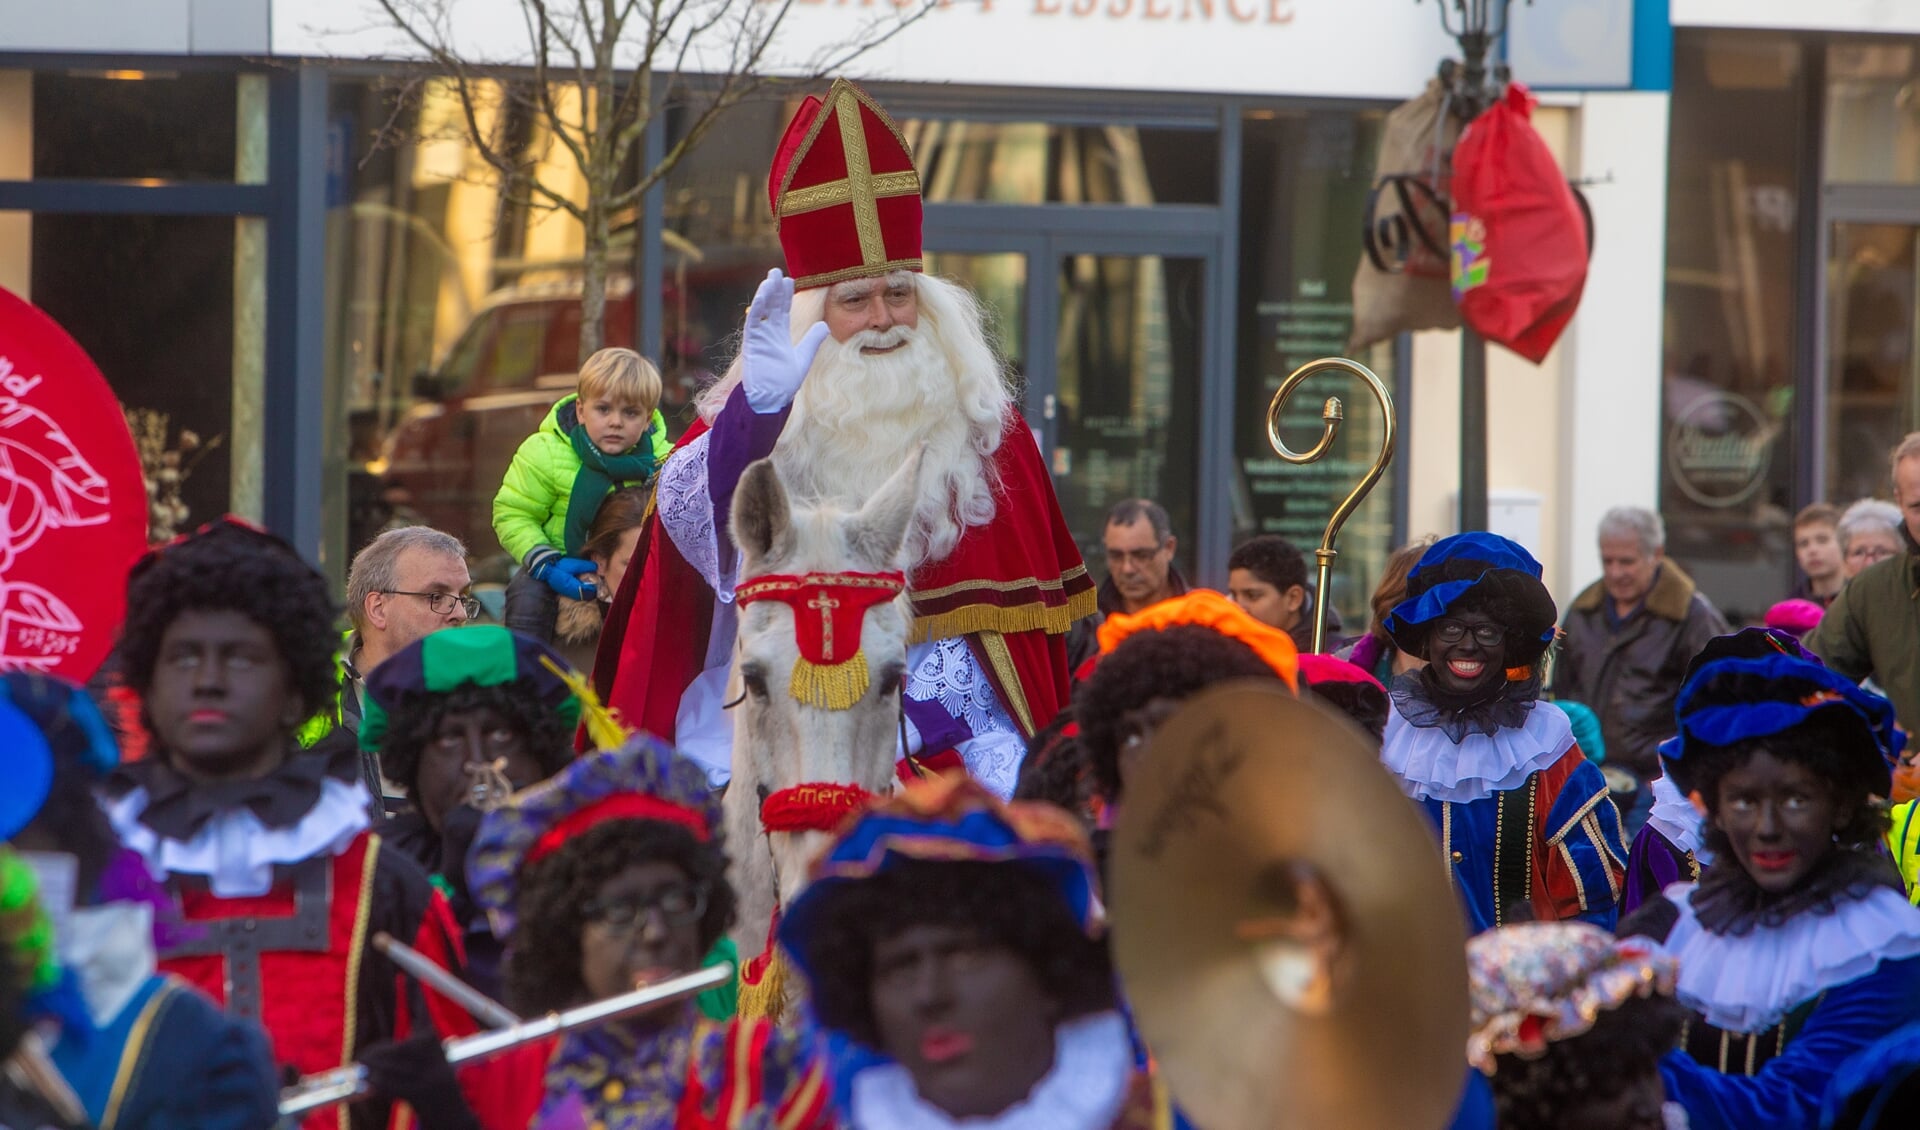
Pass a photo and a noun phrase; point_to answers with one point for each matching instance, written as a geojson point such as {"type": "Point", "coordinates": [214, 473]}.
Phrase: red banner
{"type": "Point", "coordinates": [73, 503]}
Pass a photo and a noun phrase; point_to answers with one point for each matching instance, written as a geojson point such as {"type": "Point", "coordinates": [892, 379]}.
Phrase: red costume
{"type": "Point", "coordinates": [847, 199]}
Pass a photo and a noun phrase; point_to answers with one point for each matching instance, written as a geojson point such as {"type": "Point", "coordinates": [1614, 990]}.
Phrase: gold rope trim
{"type": "Point", "coordinates": [834, 192]}
{"type": "Point", "coordinates": [134, 1056]}
{"type": "Point", "coordinates": [362, 914]}
{"type": "Point", "coordinates": [995, 645]}
{"type": "Point", "coordinates": [766, 999]}
{"type": "Point", "coordinates": [1055, 585]}
{"type": "Point", "coordinates": [1034, 617]}
{"type": "Point", "coordinates": [837, 686]}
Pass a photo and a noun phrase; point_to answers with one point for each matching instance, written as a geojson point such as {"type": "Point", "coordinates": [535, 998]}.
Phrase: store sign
{"type": "Point", "coordinates": [73, 503]}
{"type": "Point", "coordinates": [1325, 48]}
{"type": "Point", "coordinates": [1719, 449]}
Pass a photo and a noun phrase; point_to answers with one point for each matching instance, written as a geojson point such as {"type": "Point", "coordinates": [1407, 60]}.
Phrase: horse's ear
{"type": "Point", "coordinates": [880, 529]}
{"type": "Point", "coordinates": [762, 520]}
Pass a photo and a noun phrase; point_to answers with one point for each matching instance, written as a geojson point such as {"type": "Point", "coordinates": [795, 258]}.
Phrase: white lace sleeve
{"type": "Point", "coordinates": [947, 674]}
{"type": "Point", "coordinates": [686, 513]}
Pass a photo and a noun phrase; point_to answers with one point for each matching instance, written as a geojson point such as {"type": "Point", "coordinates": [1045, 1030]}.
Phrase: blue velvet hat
{"type": "Point", "coordinates": [951, 819]}
{"type": "Point", "coordinates": [45, 723]}
{"type": "Point", "coordinates": [1738, 698]}
{"type": "Point", "coordinates": [1454, 566]}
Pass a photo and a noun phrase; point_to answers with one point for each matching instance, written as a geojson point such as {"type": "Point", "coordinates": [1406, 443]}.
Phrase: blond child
{"type": "Point", "coordinates": [608, 435]}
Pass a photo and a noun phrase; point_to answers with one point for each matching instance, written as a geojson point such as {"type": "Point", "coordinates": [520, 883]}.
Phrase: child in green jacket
{"type": "Point", "coordinates": [608, 435]}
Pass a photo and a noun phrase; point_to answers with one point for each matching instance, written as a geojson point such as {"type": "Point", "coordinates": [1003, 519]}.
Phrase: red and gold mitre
{"type": "Point", "coordinates": [846, 197]}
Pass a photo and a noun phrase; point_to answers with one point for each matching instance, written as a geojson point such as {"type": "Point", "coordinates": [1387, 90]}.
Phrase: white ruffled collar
{"type": "Point", "coordinates": [1092, 1070]}
{"type": "Point", "coordinates": [1747, 983]}
{"type": "Point", "coordinates": [1432, 766]}
{"type": "Point", "coordinates": [234, 850]}
{"type": "Point", "coordinates": [1675, 817]}
{"type": "Point", "coordinates": [109, 948]}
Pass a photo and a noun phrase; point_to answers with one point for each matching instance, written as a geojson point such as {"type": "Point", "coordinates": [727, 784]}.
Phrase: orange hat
{"type": "Point", "coordinates": [846, 197]}
{"type": "Point", "coordinates": [1208, 609]}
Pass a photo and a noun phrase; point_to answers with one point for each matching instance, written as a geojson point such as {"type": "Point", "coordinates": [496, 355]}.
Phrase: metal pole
{"type": "Point", "coordinates": [1473, 430]}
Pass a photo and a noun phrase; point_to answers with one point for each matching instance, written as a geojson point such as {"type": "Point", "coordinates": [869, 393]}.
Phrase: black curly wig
{"type": "Point", "coordinates": [1624, 1044]}
{"type": "Point", "coordinates": [543, 955]}
{"type": "Point", "coordinates": [1172, 663]}
{"type": "Point", "coordinates": [1508, 597]}
{"type": "Point", "coordinates": [1055, 769]}
{"type": "Point", "coordinates": [1814, 743]}
{"type": "Point", "coordinates": [1005, 904]}
{"type": "Point", "coordinates": [231, 568]}
{"type": "Point", "coordinates": [416, 718]}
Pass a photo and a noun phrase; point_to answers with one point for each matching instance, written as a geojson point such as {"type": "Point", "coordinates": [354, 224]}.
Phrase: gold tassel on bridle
{"type": "Point", "coordinates": [603, 726]}
{"type": "Point", "coordinates": [767, 997]}
{"type": "Point", "coordinates": [837, 686]}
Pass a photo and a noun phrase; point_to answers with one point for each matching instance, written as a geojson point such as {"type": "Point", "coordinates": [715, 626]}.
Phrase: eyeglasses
{"type": "Point", "coordinates": [1137, 556]}
{"type": "Point", "coordinates": [1453, 631]}
{"type": "Point", "coordinates": [676, 906]}
{"type": "Point", "coordinates": [442, 603]}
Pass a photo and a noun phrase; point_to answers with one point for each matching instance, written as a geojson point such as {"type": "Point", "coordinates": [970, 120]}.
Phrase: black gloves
{"type": "Point", "coordinates": [416, 1072]}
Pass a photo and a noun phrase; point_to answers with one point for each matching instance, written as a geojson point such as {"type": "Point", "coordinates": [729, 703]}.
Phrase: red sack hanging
{"type": "Point", "coordinates": [1520, 242]}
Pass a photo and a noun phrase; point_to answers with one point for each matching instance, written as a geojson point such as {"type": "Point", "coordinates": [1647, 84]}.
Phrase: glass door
{"type": "Point", "coordinates": [1872, 363]}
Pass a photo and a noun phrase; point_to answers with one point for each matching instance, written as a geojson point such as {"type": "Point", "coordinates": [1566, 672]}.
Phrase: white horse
{"type": "Point", "coordinates": [780, 742]}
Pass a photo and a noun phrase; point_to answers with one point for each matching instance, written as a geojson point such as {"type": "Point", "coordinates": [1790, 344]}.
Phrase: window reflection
{"type": "Point", "coordinates": [1129, 389]}
{"type": "Point", "coordinates": [1728, 382]}
{"type": "Point", "coordinates": [1873, 113]}
{"type": "Point", "coordinates": [1042, 163]}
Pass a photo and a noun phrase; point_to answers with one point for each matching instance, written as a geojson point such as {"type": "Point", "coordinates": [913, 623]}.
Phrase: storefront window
{"type": "Point", "coordinates": [1041, 163]}
{"type": "Point", "coordinates": [139, 124]}
{"type": "Point", "coordinates": [1873, 114]}
{"type": "Point", "coordinates": [453, 317]}
{"type": "Point", "coordinates": [170, 308]}
{"type": "Point", "coordinates": [1728, 382]}
{"type": "Point", "coordinates": [1304, 188]}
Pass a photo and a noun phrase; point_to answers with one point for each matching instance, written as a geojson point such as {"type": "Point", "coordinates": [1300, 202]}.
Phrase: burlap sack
{"type": "Point", "coordinates": [1402, 281]}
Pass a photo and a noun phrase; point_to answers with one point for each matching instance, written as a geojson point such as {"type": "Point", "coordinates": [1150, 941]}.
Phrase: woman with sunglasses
{"type": "Point", "coordinates": [1524, 818]}
{"type": "Point", "coordinates": [609, 875]}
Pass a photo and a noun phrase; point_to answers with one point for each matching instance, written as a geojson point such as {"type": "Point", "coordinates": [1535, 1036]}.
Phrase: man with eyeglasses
{"type": "Point", "coordinates": [404, 586]}
{"type": "Point", "coordinates": [1140, 544]}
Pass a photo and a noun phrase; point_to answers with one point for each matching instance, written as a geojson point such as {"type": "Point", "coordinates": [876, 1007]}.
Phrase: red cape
{"type": "Point", "coordinates": [1012, 587]}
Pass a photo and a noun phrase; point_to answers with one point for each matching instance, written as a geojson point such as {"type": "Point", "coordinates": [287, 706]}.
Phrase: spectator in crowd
{"type": "Point", "coordinates": [1869, 533]}
{"type": "Point", "coordinates": [406, 584]}
{"type": "Point", "coordinates": [1267, 576]}
{"type": "Point", "coordinates": [1140, 571]}
{"type": "Point", "coordinates": [1627, 641]}
{"type": "Point", "coordinates": [1816, 548]}
{"type": "Point", "coordinates": [1375, 652]}
{"type": "Point", "coordinates": [1870, 631]}
{"type": "Point", "coordinates": [610, 544]}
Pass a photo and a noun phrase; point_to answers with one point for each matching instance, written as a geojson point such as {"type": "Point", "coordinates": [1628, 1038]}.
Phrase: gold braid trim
{"type": "Point", "coordinates": [766, 998]}
{"type": "Point", "coordinates": [995, 645]}
{"type": "Point", "coordinates": [1054, 620]}
{"type": "Point", "coordinates": [133, 1056]}
{"type": "Point", "coordinates": [837, 686]}
{"type": "Point", "coordinates": [362, 914]}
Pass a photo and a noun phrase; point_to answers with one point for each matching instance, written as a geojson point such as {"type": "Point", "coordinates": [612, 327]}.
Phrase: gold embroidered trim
{"type": "Point", "coordinates": [995, 645]}
{"type": "Point", "coordinates": [1579, 888]}
{"type": "Point", "coordinates": [841, 87]}
{"type": "Point", "coordinates": [1034, 617]}
{"type": "Point", "coordinates": [766, 586]}
{"type": "Point", "coordinates": [844, 274]}
{"type": "Point", "coordinates": [841, 192]}
{"type": "Point", "coordinates": [803, 1100]}
{"type": "Point", "coordinates": [134, 1056]}
{"type": "Point", "coordinates": [362, 915]}
{"type": "Point", "coordinates": [1072, 574]}
{"type": "Point", "coordinates": [742, 1074]}
{"type": "Point", "coordinates": [1578, 816]}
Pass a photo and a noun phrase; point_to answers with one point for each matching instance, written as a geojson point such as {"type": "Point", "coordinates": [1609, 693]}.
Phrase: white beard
{"type": "Point", "coordinates": [859, 417]}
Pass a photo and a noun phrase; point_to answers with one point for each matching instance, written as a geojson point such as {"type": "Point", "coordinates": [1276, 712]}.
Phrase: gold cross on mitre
{"type": "Point", "coordinates": [861, 187]}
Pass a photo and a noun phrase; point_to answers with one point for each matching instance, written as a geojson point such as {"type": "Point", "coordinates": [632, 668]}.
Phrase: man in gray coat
{"type": "Point", "coordinates": [1627, 641]}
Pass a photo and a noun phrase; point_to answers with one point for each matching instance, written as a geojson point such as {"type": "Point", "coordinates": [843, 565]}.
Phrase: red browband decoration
{"type": "Point", "coordinates": [811, 808]}
{"type": "Point", "coordinates": [619, 806]}
{"type": "Point", "coordinates": [827, 608]}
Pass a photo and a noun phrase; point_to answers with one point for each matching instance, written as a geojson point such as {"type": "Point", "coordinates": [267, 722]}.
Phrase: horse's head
{"type": "Point", "coordinates": [823, 650]}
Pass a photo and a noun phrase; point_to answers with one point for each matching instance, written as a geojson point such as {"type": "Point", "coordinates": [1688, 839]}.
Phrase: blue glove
{"type": "Point", "coordinates": [562, 574]}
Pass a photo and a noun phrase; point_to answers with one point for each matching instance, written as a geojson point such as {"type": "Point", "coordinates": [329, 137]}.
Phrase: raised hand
{"type": "Point", "coordinates": [774, 363]}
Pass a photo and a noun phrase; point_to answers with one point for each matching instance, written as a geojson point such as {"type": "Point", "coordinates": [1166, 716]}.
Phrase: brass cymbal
{"type": "Point", "coordinates": [1284, 929]}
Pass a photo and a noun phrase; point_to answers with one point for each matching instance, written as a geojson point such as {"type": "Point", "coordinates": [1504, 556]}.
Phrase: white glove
{"type": "Point", "coordinates": [775, 363]}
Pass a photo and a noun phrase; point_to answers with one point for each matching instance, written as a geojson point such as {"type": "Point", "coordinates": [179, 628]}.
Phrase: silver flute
{"type": "Point", "coordinates": [347, 1083]}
